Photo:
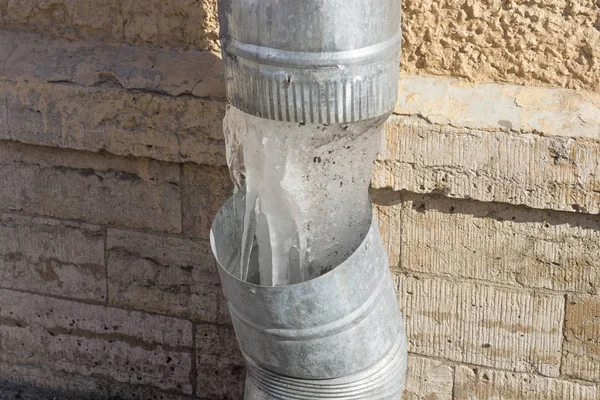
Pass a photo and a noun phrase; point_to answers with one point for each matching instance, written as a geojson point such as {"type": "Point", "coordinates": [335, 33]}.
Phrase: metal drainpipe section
{"type": "Point", "coordinates": [340, 335]}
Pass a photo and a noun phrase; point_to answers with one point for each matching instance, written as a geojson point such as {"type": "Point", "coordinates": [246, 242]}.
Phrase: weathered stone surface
{"type": "Point", "coordinates": [175, 23]}
{"type": "Point", "coordinates": [205, 189]}
{"type": "Point", "coordinates": [88, 63]}
{"type": "Point", "coordinates": [134, 392]}
{"type": "Point", "coordinates": [499, 107]}
{"type": "Point", "coordinates": [483, 325]}
{"type": "Point", "coordinates": [389, 211]}
{"type": "Point", "coordinates": [492, 242]}
{"type": "Point", "coordinates": [552, 43]}
{"type": "Point", "coordinates": [223, 311]}
{"type": "Point", "coordinates": [557, 173]}
{"type": "Point", "coordinates": [10, 391]}
{"type": "Point", "coordinates": [96, 188]}
{"type": "Point", "coordinates": [427, 379]}
{"type": "Point", "coordinates": [31, 383]}
{"type": "Point", "coordinates": [48, 256]}
{"type": "Point", "coordinates": [95, 341]}
{"type": "Point", "coordinates": [581, 357]}
{"type": "Point", "coordinates": [109, 118]}
{"type": "Point", "coordinates": [221, 371]}
{"type": "Point", "coordinates": [547, 43]}
{"type": "Point", "coordinates": [482, 384]}
{"type": "Point", "coordinates": [162, 274]}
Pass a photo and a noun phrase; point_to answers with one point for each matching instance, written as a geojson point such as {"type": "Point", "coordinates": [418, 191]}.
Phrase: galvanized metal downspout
{"type": "Point", "coordinates": [320, 61]}
{"type": "Point", "coordinates": [341, 335]}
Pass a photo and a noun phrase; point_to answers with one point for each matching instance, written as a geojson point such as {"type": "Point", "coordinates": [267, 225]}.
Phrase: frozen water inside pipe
{"type": "Point", "coordinates": [301, 197]}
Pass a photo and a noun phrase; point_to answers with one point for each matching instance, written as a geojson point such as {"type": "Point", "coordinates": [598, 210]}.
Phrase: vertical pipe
{"type": "Point", "coordinates": [336, 332]}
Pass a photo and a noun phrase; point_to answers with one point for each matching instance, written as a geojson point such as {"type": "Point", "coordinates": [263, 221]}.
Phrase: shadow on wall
{"type": "Point", "coordinates": [500, 212]}
{"type": "Point", "coordinates": [10, 390]}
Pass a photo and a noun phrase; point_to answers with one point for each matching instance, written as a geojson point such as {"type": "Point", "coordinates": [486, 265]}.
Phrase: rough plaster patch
{"type": "Point", "coordinates": [549, 43]}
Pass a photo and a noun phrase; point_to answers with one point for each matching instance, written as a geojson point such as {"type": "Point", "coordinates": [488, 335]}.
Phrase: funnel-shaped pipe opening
{"type": "Point", "coordinates": [342, 329]}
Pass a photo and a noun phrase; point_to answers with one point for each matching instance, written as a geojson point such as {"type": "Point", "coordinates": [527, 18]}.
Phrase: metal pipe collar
{"type": "Point", "coordinates": [311, 61]}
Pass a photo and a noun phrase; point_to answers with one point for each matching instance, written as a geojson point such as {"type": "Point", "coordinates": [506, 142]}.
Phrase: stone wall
{"type": "Point", "coordinates": [112, 166]}
{"type": "Point", "coordinates": [538, 42]}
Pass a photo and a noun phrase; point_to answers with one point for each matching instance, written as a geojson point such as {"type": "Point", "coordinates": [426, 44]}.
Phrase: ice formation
{"type": "Point", "coordinates": [301, 194]}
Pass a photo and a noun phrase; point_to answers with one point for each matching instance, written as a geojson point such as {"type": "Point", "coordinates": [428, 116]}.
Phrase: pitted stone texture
{"type": "Point", "coordinates": [123, 391]}
{"type": "Point", "coordinates": [205, 189]}
{"type": "Point", "coordinates": [20, 382]}
{"type": "Point", "coordinates": [554, 43]}
{"type": "Point", "coordinates": [557, 173]}
{"type": "Point", "coordinates": [173, 23]}
{"type": "Point", "coordinates": [483, 325]}
{"type": "Point", "coordinates": [483, 384]}
{"type": "Point", "coordinates": [428, 379]}
{"type": "Point", "coordinates": [581, 357]}
{"type": "Point", "coordinates": [492, 242]}
{"type": "Point", "coordinates": [32, 383]}
{"type": "Point", "coordinates": [107, 118]}
{"type": "Point", "coordinates": [100, 189]}
{"type": "Point", "coordinates": [95, 341]}
{"type": "Point", "coordinates": [49, 256]}
{"type": "Point", "coordinates": [221, 368]}
{"type": "Point", "coordinates": [163, 274]}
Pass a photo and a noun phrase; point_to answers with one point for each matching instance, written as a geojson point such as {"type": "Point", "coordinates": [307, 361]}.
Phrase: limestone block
{"type": "Point", "coordinates": [167, 275]}
{"type": "Point", "coordinates": [556, 173]}
{"type": "Point", "coordinates": [581, 357]}
{"type": "Point", "coordinates": [205, 189]}
{"type": "Point", "coordinates": [221, 369]}
{"type": "Point", "coordinates": [32, 383]}
{"type": "Point", "coordinates": [428, 379]}
{"type": "Point", "coordinates": [141, 124]}
{"type": "Point", "coordinates": [483, 325]}
{"type": "Point", "coordinates": [124, 391]}
{"type": "Point", "coordinates": [100, 189]}
{"type": "Point", "coordinates": [483, 384]}
{"type": "Point", "coordinates": [501, 107]}
{"type": "Point", "coordinates": [389, 218]}
{"type": "Point", "coordinates": [95, 341]}
{"type": "Point", "coordinates": [89, 63]}
{"type": "Point", "coordinates": [48, 256]}
{"type": "Point", "coordinates": [547, 44]}
{"type": "Point", "coordinates": [173, 23]}
{"type": "Point", "coordinates": [499, 243]}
